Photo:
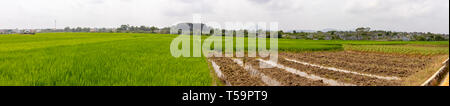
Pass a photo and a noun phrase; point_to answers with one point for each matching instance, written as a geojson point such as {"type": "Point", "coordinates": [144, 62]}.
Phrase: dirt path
{"type": "Point", "coordinates": [235, 75]}
{"type": "Point", "coordinates": [375, 64]}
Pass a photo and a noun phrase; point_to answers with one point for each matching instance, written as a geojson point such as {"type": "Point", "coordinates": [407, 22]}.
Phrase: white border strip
{"type": "Point", "coordinates": [267, 80]}
{"type": "Point", "coordinates": [219, 72]}
{"type": "Point", "coordinates": [306, 75]}
{"type": "Point", "coordinates": [344, 71]}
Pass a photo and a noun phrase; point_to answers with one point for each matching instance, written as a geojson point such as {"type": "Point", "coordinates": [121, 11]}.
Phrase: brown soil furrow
{"type": "Point", "coordinates": [393, 56]}
{"type": "Point", "coordinates": [219, 73]}
{"type": "Point", "coordinates": [369, 68]}
{"type": "Point", "coordinates": [340, 76]}
{"type": "Point", "coordinates": [344, 71]}
{"type": "Point", "coordinates": [285, 78]}
{"type": "Point", "coordinates": [236, 75]}
{"type": "Point", "coordinates": [267, 80]}
{"type": "Point", "coordinates": [388, 56]}
{"type": "Point", "coordinates": [380, 60]}
{"type": "Point", "coordinates": [330, 82]}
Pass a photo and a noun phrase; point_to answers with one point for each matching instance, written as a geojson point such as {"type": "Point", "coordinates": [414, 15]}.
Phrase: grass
{"type": "Point", "coordinates": [126, 59]}
{"type": "Point", "coordinates": [420, 77]}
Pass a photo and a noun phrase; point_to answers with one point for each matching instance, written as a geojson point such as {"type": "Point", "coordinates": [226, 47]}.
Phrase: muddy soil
{"type": "Point", "coordinates": [385, 65]}
{"type": "Point", "coordinates": [381, 59]}
{"type": "Point", "coordinates": [358, 80]}
{"type": "Point", "coordinates": [377, 64]}
{"type": "Point", "coordinates": [284, 77]}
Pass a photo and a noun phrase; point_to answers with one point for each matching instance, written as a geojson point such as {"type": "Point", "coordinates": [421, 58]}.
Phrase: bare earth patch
{"type": "Point", "coordinates": [236, 75]}
{"type": "Point", "coordinates": [343, 67]}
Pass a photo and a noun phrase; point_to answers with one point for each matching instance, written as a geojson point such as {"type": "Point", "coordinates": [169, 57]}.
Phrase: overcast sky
{"type": "Point", "coordinates": [395, 15]}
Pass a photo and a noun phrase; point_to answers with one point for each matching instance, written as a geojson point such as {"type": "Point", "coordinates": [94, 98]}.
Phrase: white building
{"type": "Point", "coordinates": [93, 30]}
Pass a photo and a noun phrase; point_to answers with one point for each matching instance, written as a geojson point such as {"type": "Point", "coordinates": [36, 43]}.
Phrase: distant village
{"type": "Point", "coordinates": [358, 34]}
{"type": "Point", "coordinates": [367, 34]}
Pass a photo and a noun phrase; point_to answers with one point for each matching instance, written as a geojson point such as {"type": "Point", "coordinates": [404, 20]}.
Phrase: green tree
{"type": "Point", "coordinates": [67, 29]}
{"type": "Point", "coordinates": [153, 29]}
{"type": "Point", "coordinates": [280, 34]}
{"type": "Point", "coordinates": [123, 28]}
{"type": "Point", "coordinates": [143, 28]}
{"type": "Point", "coordinates": [78, 29]}
{"type": "Point", "coordinates": [245, 33]}
{"type": "Point", "coordinates": [362, 32]}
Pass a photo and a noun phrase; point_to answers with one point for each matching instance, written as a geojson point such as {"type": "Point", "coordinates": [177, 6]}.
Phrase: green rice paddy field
{"type": "Point", "coordinates": [128, 59]}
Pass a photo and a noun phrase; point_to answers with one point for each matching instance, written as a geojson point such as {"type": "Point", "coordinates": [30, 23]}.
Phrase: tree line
{"type": "Point", "coordinates": [365, 33]}
{"type": "Point", "coordinates": [362, 33]}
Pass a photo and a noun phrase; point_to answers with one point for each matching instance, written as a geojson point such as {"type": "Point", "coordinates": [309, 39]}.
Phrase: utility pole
{"type": "Point", "coordinates": [257, 31]}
